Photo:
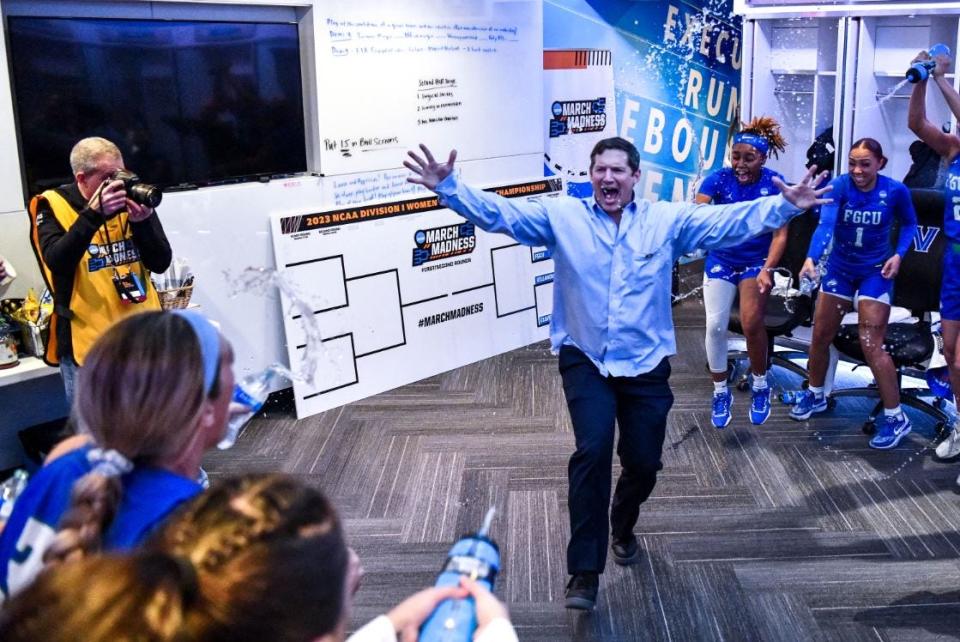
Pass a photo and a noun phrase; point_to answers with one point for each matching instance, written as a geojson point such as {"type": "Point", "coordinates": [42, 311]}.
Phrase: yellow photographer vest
{"type": "Point", "coordinates": [94, 302]}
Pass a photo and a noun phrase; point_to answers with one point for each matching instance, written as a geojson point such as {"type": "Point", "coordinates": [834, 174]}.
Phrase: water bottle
{"type": "Point", "coordinates": [10, 490]}
{"type": "Point", "coordinates": [789, 397]}
{"type": "Point", "coordinates": [477, 557]}
{"type": "Point", "coordinates": [921, 70]}
{"type": "Point", "coordinates": [807, 285]}
{"type": "Point", "coordinates": [252, 391]}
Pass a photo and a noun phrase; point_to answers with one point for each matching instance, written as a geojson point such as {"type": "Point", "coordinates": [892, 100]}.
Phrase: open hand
{"type": "Point", "coordinates": [428, 171]}
{"type": "Point", "coordinates": [804, 194]}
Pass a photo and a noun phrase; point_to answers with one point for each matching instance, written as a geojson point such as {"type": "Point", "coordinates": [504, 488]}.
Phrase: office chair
{"type": "Point", "coordinates": [783, 314]}
{"type": "Point", "coordinates": [917, 288]}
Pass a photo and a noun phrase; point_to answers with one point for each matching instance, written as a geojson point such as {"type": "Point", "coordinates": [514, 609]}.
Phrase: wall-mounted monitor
{"type": "Point", "coordinates": [187, 102]}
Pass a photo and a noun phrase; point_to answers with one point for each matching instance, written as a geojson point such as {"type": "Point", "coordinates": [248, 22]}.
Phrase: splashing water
{"type": "Point", "coordinates": [890, 94]}
{"type": "Point", "coordinates": [258, 280]}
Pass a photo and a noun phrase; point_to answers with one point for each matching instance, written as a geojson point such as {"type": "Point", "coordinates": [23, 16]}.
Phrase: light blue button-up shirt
{"type": "Point", "coordinates": [611, 296]}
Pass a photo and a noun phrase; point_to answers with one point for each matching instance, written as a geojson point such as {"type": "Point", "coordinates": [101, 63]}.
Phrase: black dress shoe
{"type": "Point", "coordinates": [582, 591]}
{"type": "Point", "coordinates": [625, 551]}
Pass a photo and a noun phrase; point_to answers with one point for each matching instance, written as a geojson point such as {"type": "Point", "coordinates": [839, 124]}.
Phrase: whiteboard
{"type": "Point", "coordinates": [404, 290]}
{"type": "Point", "coordinates": [395, 74]}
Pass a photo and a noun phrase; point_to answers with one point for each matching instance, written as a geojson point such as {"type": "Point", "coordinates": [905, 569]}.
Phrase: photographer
{"type": "Point", "coordinates": [96, 239]}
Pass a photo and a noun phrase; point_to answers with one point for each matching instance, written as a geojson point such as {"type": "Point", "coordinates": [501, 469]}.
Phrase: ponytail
{"type": "Point", "coordinates": [93, 503]}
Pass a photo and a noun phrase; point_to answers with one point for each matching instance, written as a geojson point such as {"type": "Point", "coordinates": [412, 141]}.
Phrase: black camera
{"type": "Point", "coordinates": [138, 192]}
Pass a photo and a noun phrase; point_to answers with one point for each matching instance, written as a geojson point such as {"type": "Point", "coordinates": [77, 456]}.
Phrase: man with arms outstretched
{"type": "Point", "coordinates": [612, 324]}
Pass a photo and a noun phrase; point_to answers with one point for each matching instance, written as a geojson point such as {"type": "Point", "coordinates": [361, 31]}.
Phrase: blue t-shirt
{"type": "Point", "coordinates": [723, 187]}
{"type": "Point", "coordinates": [149, 495]}
{"type": "Point", "coordinates": [951, 213]}
{"type": "Point", "coordinates": [861, 224]}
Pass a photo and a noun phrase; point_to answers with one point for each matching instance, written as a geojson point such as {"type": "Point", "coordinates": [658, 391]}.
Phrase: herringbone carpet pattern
{"type": "Point", "coordinates": [788, 531]}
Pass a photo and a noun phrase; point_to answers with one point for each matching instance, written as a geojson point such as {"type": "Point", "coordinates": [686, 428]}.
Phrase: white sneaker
{"type": "Point", "coordinates": [950, 447]}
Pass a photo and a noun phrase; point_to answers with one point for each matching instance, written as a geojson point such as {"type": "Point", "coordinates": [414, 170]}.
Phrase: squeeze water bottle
{"type": "Point", "coordinates": [807, 285]}
{"type": "Point", "coordinates": [921, 70]}
{"type": "Point", "coordinates": [9, 492]}
{"type": "Point", "coordinates": [251, 392]}
{"type": "Point", "coordinates": [477, 557]}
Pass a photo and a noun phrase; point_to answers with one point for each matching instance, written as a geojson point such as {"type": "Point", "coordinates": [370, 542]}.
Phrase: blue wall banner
{"type": "Point", "coordinates": [676, 76]}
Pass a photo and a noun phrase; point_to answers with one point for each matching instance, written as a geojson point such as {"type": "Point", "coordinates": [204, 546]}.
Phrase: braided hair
{"type": "Point", "coordinates": [768, 128]}
{"type": "Point", "coordinates": [139, 396]}
{"type": "Point", "coordinates": [267, 550]}
{"type": "Point", "coordinates": [258, 557]}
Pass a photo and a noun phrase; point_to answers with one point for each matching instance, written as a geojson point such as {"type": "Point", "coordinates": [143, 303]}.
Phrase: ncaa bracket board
{"type": "Point", "coordinates": [406, 290]}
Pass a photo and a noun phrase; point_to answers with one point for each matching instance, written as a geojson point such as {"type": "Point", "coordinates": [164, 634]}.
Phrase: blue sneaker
{"type": "Point", "coordinates": [806, 405]}
{"type": "Point", "coordinates": [759, 406]}
{"type": "Point", "coordinates": [721, 409]}
{"type": "Point", "coordinates": [891, 431]}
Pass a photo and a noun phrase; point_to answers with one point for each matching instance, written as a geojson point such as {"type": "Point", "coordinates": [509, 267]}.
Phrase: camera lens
{"type": "Point", "coordinates": [145, 194]}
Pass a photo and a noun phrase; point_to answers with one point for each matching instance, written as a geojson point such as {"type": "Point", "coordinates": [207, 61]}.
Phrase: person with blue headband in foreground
{"type": "Point", "coordinates": [153, 397]}
{"type": "Point", "coordinates": [612, 323]}
{"type": "Point", "coordinates": [746, 267]}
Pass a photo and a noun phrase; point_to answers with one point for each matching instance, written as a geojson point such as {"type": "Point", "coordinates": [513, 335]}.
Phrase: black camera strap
{"type": "Point", "coordinates": [124, 233]}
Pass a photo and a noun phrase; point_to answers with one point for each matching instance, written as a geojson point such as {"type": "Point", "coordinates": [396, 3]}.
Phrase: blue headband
{"type": "Point", "coordinates": [209, 338]}
{"type": "Point", "coordinates": [756, 140]}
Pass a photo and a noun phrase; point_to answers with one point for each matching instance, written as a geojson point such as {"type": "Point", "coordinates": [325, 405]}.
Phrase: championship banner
{"type": "Point", "coordinates": [580, 111]}
{"type": "Point", "coordinates": [406, 290]}
{"type": "Point", "coordinates": [676, 81]}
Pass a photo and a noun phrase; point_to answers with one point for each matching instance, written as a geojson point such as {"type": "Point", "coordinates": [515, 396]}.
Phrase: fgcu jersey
{"type": "Point", "coordinates": [149, 495]}
{"type": "Point", "coordinates": [951, 214]}
{"type": "Point", "coordinates": [723, 187]}
{"type": "Point", "coordinates": [862, 235]}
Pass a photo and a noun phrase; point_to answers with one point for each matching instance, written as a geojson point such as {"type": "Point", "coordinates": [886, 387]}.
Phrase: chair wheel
{"type": "Point", "coordinates": [941, 430]}
{"type": "Point", "coordinates": [869, 427]}
{"type": "Point", "coordinates": [743, 384]}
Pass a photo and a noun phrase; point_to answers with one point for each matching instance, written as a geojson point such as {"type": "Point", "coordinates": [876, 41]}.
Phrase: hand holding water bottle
{"type": "Point", "coordinates": [808, 277]}
{"type": "Point", "coordinates": [936, 61]}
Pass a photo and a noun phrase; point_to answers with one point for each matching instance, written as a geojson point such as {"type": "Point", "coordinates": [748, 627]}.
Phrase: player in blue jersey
{"type": "Point", "coordinates": [746, 267]}
{"type": "Point", "coordinates": [153, 396]}
{"type": "Point", "coordinates": [859, 224]}
{"type": "Point", "coordinates": [948, 146]}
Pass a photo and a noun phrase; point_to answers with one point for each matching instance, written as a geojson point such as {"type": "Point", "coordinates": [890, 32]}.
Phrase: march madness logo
{"type": "Point", "coordinates": [578, 116]}
{"type": "Point", "coordinates": [443, 242]}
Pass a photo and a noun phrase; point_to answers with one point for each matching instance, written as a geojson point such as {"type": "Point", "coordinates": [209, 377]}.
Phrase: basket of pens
{"type": "Point", "coordinates": [175, 298]}
{"type": "Point", "coordinates": [175, 286]}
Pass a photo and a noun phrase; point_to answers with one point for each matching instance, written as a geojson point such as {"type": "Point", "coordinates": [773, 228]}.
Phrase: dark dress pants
{"type": "Point", "coordinates": [639, 405]}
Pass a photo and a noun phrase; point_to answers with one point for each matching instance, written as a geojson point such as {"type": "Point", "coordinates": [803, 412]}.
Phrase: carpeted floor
{"type": "Point", "coordinates": [786, 531]}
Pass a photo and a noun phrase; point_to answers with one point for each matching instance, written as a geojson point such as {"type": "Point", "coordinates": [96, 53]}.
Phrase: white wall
{"type": "Point", "coordinates": [226, 228]}
{"type": "Point", "coordinates": [847, 80]}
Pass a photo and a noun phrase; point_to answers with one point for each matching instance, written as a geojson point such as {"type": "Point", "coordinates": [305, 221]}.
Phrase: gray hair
{"type": "Point", "coordinates": [86, 153]}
